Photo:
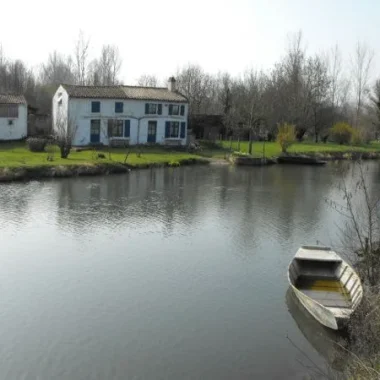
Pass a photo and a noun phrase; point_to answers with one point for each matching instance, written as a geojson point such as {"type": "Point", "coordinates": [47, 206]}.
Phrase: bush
{"type": "Point", "coordinates": [286, 136]}
{"type": "Point", "coordinates": [366, 135]}
{"type": "Point", "coordinates": [36, 144]}
{"type": "Point", "coordinates": [356, 137]}
{"type": "Point", "coordinates": [341, 133]}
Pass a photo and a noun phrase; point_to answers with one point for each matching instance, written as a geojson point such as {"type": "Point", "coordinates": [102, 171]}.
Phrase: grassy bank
{"type": "Point", "coordinates": [17, 155]}
{"type": "Point", "coordinates": [18, 163]}
{"type": "Point", "coordinates": [272, 149]}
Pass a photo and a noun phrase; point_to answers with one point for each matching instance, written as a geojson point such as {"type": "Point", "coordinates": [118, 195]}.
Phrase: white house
{"type": "Point", "coordinates": [122, 114]}
{"type": "Point", "coordinates": [13, 117]}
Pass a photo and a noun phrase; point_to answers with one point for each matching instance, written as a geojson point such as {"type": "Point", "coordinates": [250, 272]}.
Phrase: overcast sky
{"type": "Point", "coordinates": [157, 37]}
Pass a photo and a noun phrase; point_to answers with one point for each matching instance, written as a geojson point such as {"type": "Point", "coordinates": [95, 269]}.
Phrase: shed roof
{"type": "Point", "coordinates": [12, 99]}
{"type": "Point", "coordinates": [125, 92]}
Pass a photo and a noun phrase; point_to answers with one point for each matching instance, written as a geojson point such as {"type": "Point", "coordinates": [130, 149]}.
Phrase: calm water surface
{"type": "Point", "coordinates": [163, 274]}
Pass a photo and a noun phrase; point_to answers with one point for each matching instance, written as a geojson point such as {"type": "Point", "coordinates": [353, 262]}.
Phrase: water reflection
{"type": "Point", "coordinates": [172, 273]}
{"type": "Point", "coordinates": [325, 341]}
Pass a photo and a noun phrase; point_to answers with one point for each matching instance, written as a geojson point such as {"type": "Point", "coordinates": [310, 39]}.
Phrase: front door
{"type": "Point", "coordinates": [152, 131]}
{"type": "Point", "coordinates": [95, 131]}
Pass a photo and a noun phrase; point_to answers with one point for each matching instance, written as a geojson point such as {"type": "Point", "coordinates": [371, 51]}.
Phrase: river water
{"type": "Point", "coordinates": [160, 274]}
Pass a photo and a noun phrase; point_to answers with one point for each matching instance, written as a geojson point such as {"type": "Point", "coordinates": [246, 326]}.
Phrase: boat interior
{"type": "Point", "coordinates": [331, 283]}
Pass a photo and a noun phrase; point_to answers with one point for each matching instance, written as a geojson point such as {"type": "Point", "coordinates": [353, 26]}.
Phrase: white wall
{"type": "Point", "coordinates": [80, 112]}
{"type": "Point", "coordinates": [57, 108]}
{"type": "Point", "coordinates": [19, 128]}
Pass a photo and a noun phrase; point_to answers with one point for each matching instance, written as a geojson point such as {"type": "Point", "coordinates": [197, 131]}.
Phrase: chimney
{"type": "Point", "coordinates": [172, 84]}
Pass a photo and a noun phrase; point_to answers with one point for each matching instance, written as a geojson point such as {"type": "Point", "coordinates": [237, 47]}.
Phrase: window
{"type": "Point", "coordinates": [115, 128]}
{"type": "Point", "coordinates": [10, 122]}
{"type": "Point", "coordinates": [172, 130]}
{"type": "Point", "coordinates": [153, 109]}
{"type": "Point", "coordinates": [182, 110]}
{"type": "Point", "coordinates": [173, 109]}
{"type": "Point", "coordinates": [95, 107]}
{"type": "Point", "coordinates": [119, 107]}
{"type": "Point", "coordinates": [8, 110]}
{"type": "Point", "coordinates": [150, 109]}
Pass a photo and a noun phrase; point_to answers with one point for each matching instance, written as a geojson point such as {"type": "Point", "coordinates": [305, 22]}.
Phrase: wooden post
{"type": "Point", "coordinates": [264, 148]}
{"type": "Point", "coordinates": [238, 146]}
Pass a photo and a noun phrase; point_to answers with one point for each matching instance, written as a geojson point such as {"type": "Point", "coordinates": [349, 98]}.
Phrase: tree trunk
{"type": "Point", "coordinates": [65, 151]}
{"type": "Point", "coordinates": [250, 142]}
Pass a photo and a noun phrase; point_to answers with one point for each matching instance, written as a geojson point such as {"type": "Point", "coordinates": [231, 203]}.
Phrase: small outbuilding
{"type": "Point", "coordinates": [13, 117]}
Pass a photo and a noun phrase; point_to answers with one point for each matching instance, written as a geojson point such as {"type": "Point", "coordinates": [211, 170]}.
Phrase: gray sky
{"type": "Point", "coordinates": [157, 37]}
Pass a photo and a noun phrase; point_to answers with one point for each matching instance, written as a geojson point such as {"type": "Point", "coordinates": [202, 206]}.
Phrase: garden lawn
{"type": "Point", "coordinates": [18, 155]}
{"type": "Point", "coordinates": [273, 149]}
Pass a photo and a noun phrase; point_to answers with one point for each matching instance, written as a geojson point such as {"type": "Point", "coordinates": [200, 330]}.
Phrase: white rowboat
{"type": "Point", "coordinates": [325, 284]}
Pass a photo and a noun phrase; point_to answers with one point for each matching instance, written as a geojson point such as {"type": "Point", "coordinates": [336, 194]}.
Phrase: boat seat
{"type": "Point", "coordinates": [328, 299]}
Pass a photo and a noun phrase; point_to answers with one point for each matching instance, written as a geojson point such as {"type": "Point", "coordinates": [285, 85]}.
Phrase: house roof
{"type": "Point", "coordinates": [12, 99]}
{"type": "Point", "coordinates": [125, 92]}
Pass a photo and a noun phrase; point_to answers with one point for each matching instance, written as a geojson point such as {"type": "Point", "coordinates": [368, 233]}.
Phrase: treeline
{"type": "Point", "coordinates": [310, 91]}
{"type": "Point", "coordinates": [39, 85]}
{"type": "Point", "coordinates": [313, 92]}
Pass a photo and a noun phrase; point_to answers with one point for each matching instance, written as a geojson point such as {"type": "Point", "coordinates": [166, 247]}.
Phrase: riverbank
{"type": "Point", "coordinates": [273, 149]}
{"type": "Point", "coordinates": [17, 163]}
{"type": "Point", "coordinates": [27, 173]}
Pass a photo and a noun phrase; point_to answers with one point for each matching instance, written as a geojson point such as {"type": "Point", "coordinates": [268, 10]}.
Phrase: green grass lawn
{"type": "Point", "coordinates": [17, 154]}
{"type": "Point", "coordinates": [273, 149]}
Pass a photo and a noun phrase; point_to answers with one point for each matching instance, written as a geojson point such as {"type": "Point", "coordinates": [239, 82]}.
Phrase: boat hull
{"type": "Point", "coordinates": [322, 303]}
{"type": "Point", "coordinates": [318, 311]}
{"type": "Point", "coordinates": [300, 160]}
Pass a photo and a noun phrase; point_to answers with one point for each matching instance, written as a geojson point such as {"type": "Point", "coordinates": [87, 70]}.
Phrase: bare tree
{"type": "Point", "coordinates": [65, 130]}
{"type": "Point", "coordinates": [335, 69]}
{"type": "Point", "coordinates": [81, 58]}
{"type": "Point", "coordinates": [146, 80]}
{"type": "Point", "coordinates": [361, 66]}
{"type": "Point", "coordinates": [361, 230]}
{"type": "Point", "coordinates": [105, 71]}
{"type": "Point", "coordinates": [376, 105]}
{"type": "Point", "coordinates": [293, 70]}
{"type": "Point", "coordinates": [57, 70]}
{"type": "Point", "coordinates": [315, 90]}
{"type": "Point", "coordinates": [254, 83]}
{"type": "Point", "coordinates": [195, 84]}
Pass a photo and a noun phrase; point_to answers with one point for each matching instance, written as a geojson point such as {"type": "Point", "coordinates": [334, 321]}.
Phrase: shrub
{"type": "Point", "coordinates": [286, 136]}
{"type": "Point", "coordinates": [356, 137]}
{"type": "Point", "coordinates": [341, 133]}
{"type": "Point", "coordinates": [36, 144]}
{"type": "Point", "coordinates": [174, 163]}
{"type": "Point", "coordinates": [366, 135]}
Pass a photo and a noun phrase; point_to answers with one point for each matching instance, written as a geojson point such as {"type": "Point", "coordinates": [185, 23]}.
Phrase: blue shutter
{"type": "Point", "coordinates": [182, 110]}
{"type": "Point", "coordinates": [127, 128]}
{"type": "Point", "coordinates": [160, 109]}
{"type": "Point", "coordinates": [183, 130]}
{"type": "Point", "coordinates": [170, 109]}
{"type": "Point", "coordinates": [146, 108]}
{"type": "Point", "coordinates": [167, 129]}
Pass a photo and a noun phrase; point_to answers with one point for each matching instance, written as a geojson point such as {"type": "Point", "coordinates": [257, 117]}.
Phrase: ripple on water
{"type": "Point", "coordinates": [149, 275]}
